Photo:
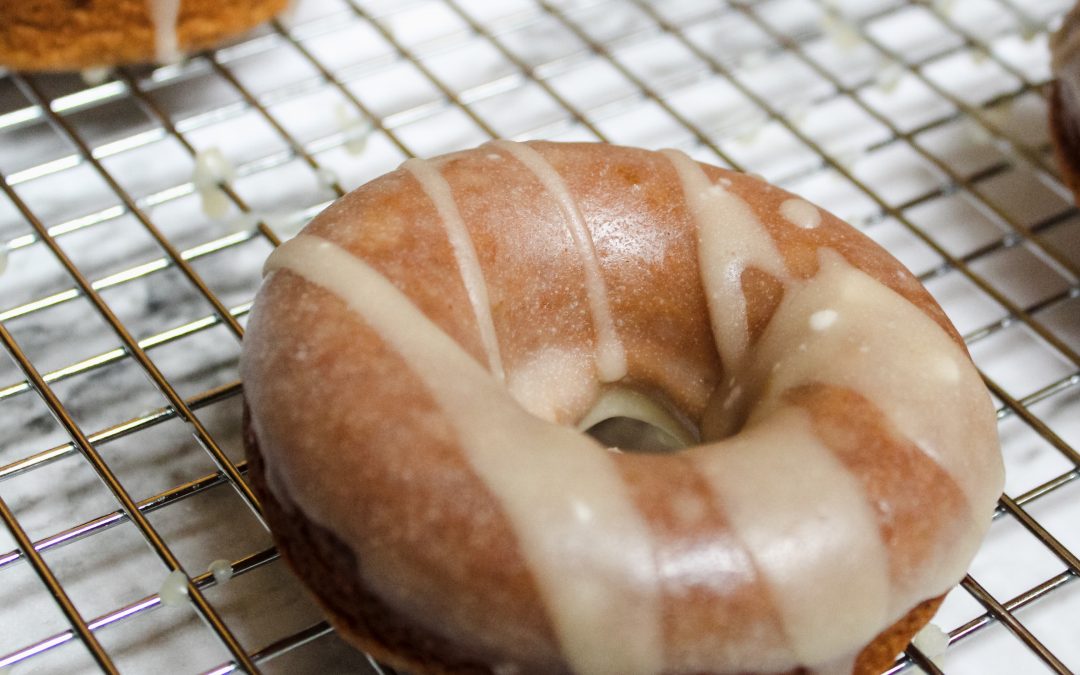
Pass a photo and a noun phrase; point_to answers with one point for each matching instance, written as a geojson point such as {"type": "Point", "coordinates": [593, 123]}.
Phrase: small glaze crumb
{"type": "Point", "coordinates": [889, 77]}
{"type": "Point", "coordinates": [945, 6]}
{"type": "Point", "coordinates": [215, 203]}
{"type": "Point", "coordinates": [212, 169]}
{"type": "Point", "coordinates": [92, 77]}
{"type": "Point", "coordinates": [222, 570]}
{"type": "Point", "coordinates": [931, 640]}
{"type": "Point", "coordinates": [751, 133]}
{"type": "Point", "coordinates": [355, 130]}
{"type": "Point", "coordinates": [841, 31]}
{"type": "Point", "coordinates": [174, 591]}
{"type": "Point", "coordinates": [822, 319]}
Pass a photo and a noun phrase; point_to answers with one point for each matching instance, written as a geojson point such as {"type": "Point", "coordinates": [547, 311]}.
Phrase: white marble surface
{"type": "Point", "coordinates": [112, 569]}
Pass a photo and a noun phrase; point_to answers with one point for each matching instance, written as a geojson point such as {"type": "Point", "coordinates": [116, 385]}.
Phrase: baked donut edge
{"type": "Point", "coordinates": [328, 570]}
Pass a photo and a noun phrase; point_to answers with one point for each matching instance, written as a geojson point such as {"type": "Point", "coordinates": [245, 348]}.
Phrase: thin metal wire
{"type": "Point", "coordinates": [137, 352]}
{"type": "Point", "coordinates": [128, 84]}
{"type": "Point", "coordinates": [151, 602]}
{"type": "Point", "coordinates": [103, 359]}
{"type": "Point", "coordinates": [118, 431]}
{"type": "Point", "coordinates": [1037, 159]}
{"type": "Point", "coordinates": [153, 539]}
{"type": "Point", "coordinates": [166, 123]}
{"type": "Point", "coordinates": [28, 84]}
{"type": "Point", "coordinates": [1009, 620]}
{"type": "Point", "coordinates": [78, 624]}
{"type": "Point", "coordinates": [216, 116]}
{"type": "Point", "coordinates": [982, 283]}
{"type": "Point", "coordinates": [923, 661]}
{"type": "Point", "coordinates": [279, 647]}
{"type": "Point", "coordinates": [110, 520]}
{"type": "Point", "coordinates": [296, 146]}
{"type": "Point", "coordinates": [1056, 255]}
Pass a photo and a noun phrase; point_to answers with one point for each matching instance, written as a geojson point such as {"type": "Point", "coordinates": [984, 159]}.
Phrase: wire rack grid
{"type": "Point", "coordinates": [128, 279]}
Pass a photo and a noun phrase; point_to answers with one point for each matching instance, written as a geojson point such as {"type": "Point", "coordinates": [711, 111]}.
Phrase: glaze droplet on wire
{"type": "Point", "coordinates": [355, 130]}
{"type": "Point", "coordinates": [221, 569]}
{"type": "Point", "coordinates": [93, 77]}
{"type": "Point", "coordinates": [212, 169]}
{"type": "Point", "coordinates": [174, 590]}
{"type": "Point", "coordinates": [931, 641]}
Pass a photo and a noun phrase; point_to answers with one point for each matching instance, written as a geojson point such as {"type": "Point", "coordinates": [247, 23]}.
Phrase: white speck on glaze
{"type": "Point", "coordinates": [801, 213]}
{"type": "Point", "coordinates": [822, 319]}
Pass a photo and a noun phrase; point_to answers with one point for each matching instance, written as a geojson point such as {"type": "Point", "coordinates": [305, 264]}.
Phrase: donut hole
{"type": "Point", "coordinates": [628, 434]}
{"type": "Point", "coordinates": [631, 421]}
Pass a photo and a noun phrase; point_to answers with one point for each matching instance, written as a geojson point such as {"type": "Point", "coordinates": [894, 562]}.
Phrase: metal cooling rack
{"type": "Point", "coordinates": [123, 303]}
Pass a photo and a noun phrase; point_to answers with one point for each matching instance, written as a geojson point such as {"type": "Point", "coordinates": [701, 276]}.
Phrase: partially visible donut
{"type": "Point", "coordinates": [1064, 98]}
{"type": "Point", "coordinates": [68, 35]}
{"type": "Point", "coordinates": [421, 357]}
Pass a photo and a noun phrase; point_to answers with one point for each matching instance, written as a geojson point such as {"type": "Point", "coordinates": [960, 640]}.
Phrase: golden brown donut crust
{"type": "Point", "coordinates": [55, 35]}
{"type": "Point", "coordinates": [329, 569]}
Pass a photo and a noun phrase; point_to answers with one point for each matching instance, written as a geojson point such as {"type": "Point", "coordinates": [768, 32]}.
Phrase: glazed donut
{"type": "Point", "coordinates": [1064, 98]}
{"type": "Point", "coordinates": [422, 359]}
{"type": "Point", "coordinates": [67, 35]}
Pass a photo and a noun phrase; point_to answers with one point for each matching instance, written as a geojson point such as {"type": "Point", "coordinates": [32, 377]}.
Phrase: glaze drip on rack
{"type": "Point", "coordinates": [164, 16]}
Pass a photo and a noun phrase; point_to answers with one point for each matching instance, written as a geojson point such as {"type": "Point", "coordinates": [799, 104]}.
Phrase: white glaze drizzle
{"type": "Point", "coordinates": [557, 486]}
{"type": "Point", "coordinates": [730, 239]}
{"type": "Point", "coordinates": [841, 317]}
{"type": "Point", "coordinates": [801, 213]}
{"type": "Point", "coordinates": [610, 353]}
{"type": "Point", "coordinates": [163, 16]}
{"type": "Point", "coordinates": [890, 352]}
{"type": "Point", "coordinates": [438, 191]}
{"type": "Point", "coordinates": [768, 478]}
{"type": "Point", "coordinates": [805, 521]}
